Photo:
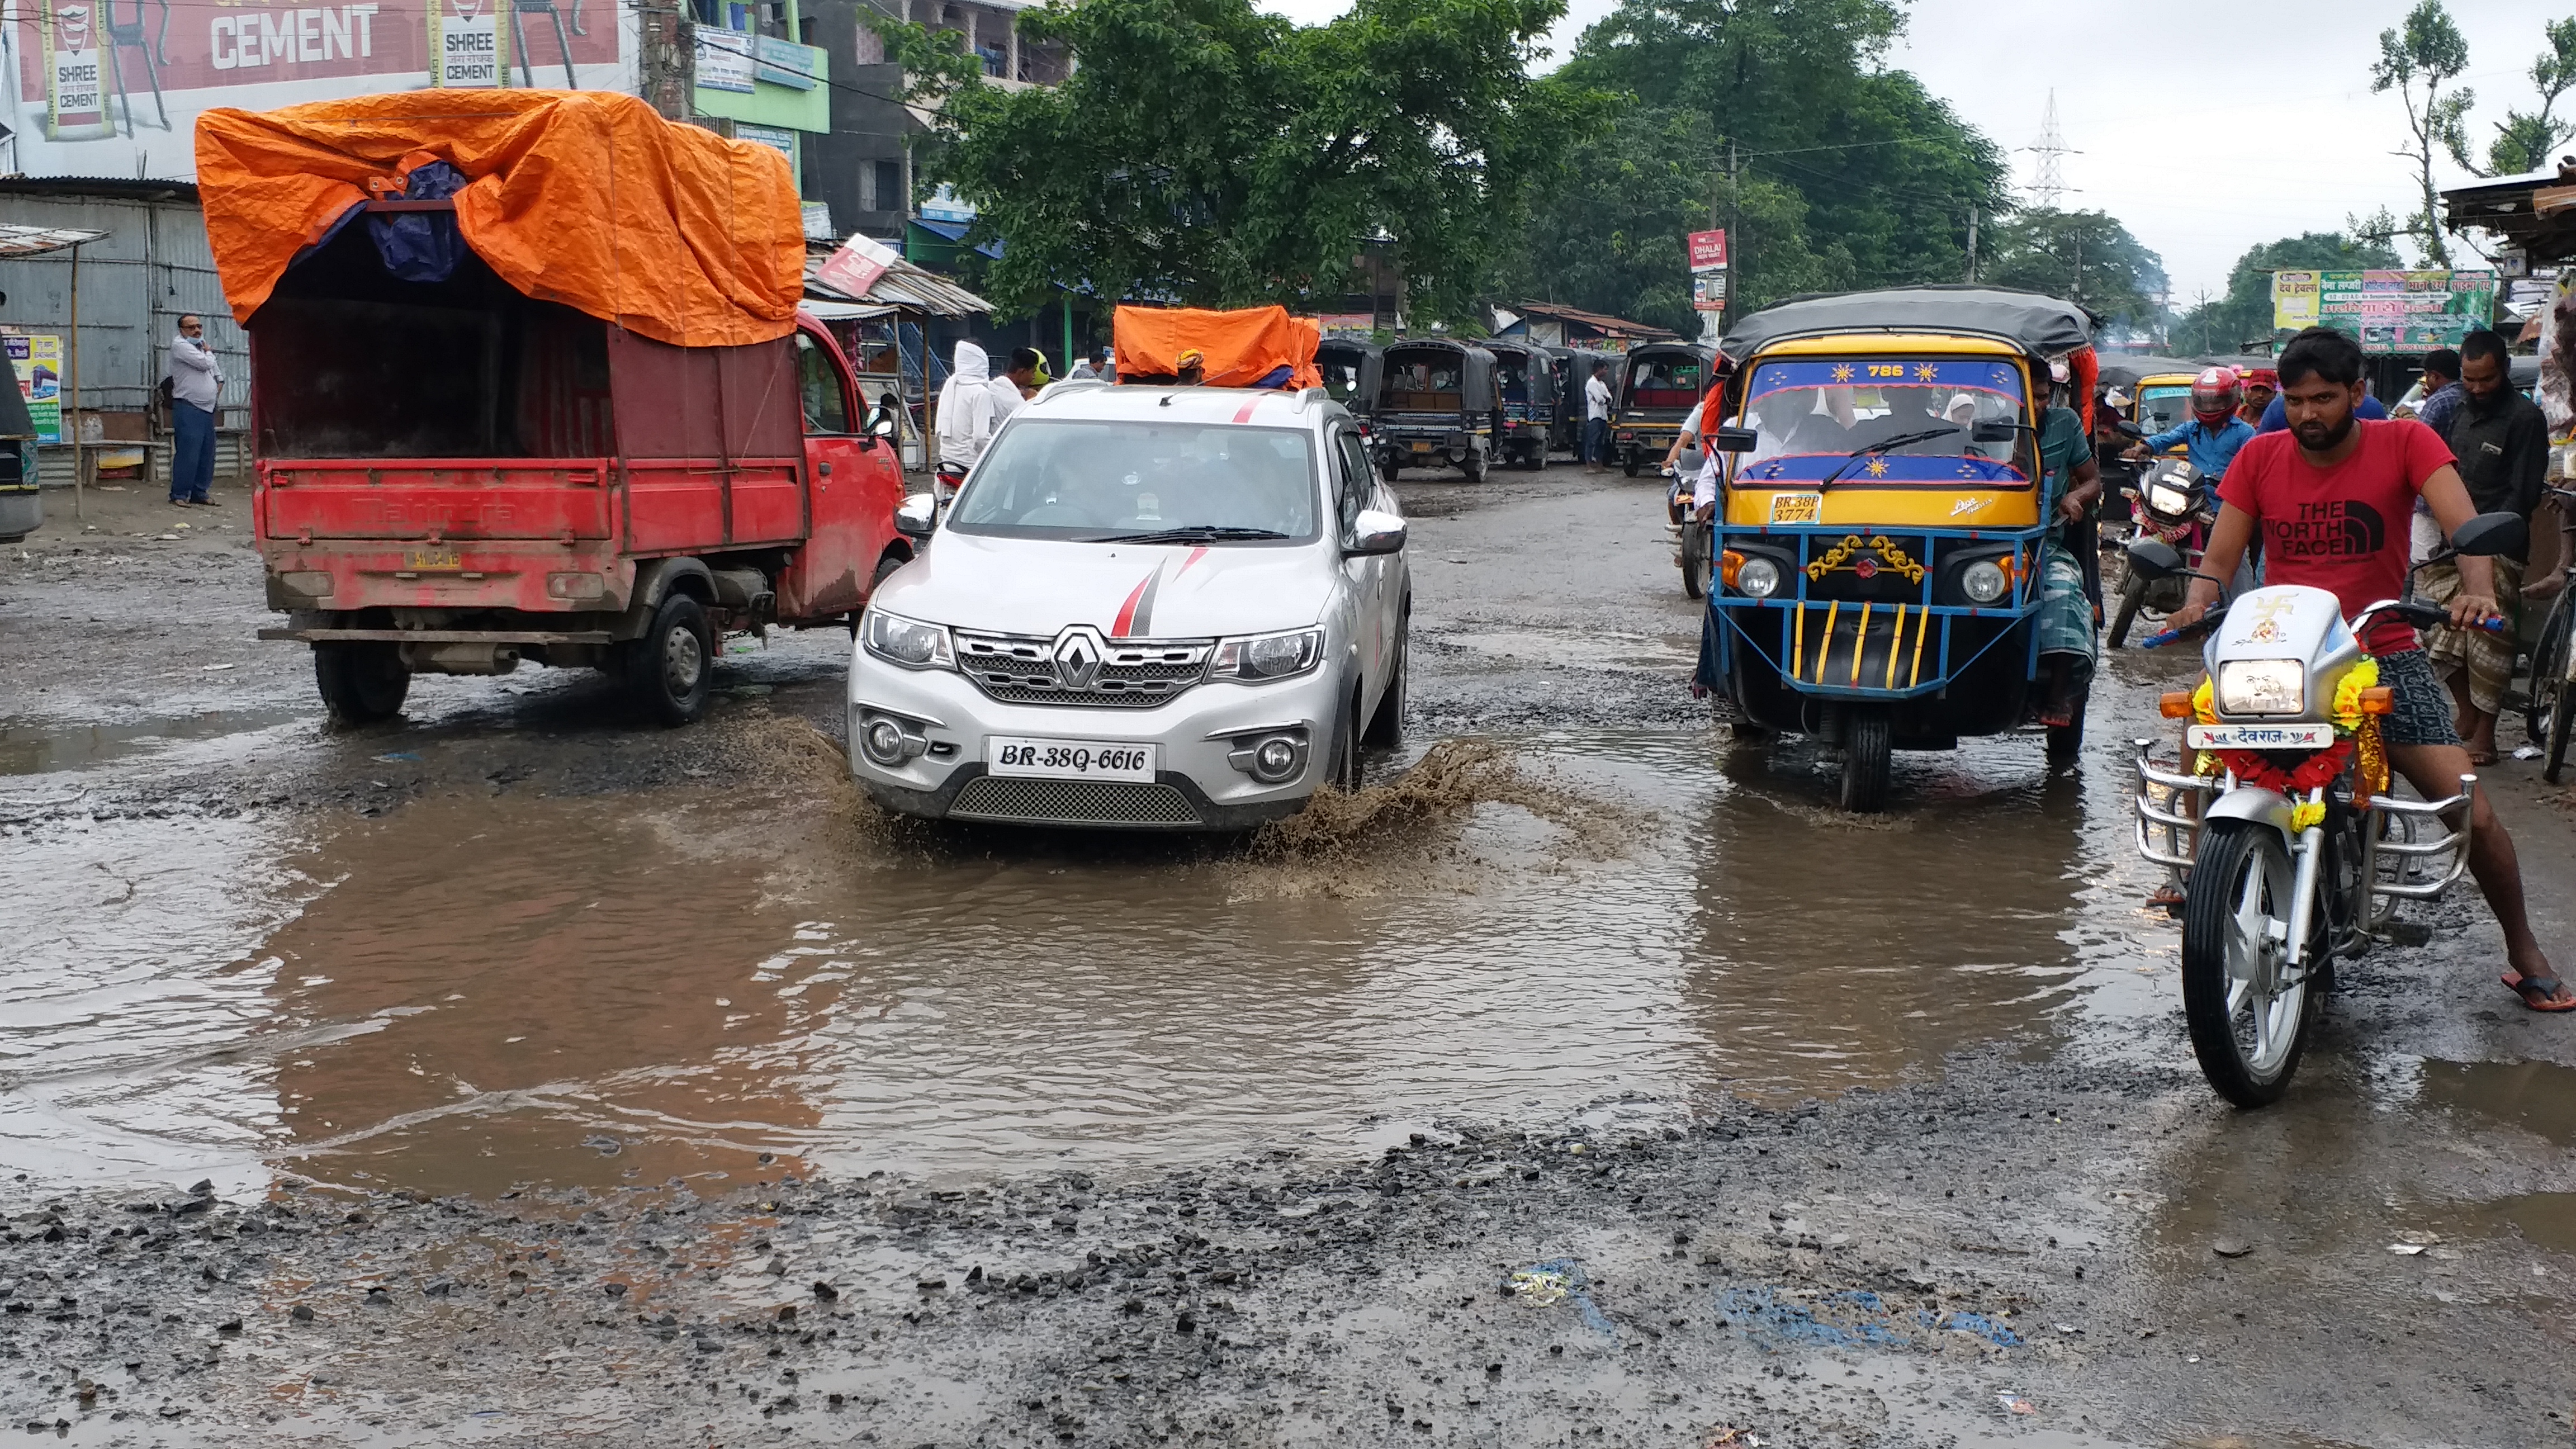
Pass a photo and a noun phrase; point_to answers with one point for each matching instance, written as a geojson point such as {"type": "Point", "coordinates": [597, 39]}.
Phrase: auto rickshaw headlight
{"type": "Point", "coordinates": [2262, 686]}
{"type": "Point", "coordinates": [1758, 578]}
{"type": "Point", "coordinates": [1984, 581]}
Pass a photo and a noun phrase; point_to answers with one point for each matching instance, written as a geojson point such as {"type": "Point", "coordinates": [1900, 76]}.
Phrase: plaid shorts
{"type": "Point", "coordinates": [2421, 708]}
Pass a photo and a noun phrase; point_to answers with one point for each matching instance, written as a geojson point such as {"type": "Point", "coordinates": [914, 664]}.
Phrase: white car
{"type": "Point", "coordinates": [1171, 608]}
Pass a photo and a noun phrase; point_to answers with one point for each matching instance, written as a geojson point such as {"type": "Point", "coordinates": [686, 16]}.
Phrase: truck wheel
{"type": "Point", "coordinates": [1628, 462]}
{"type": "Point", "coordinates": [1388, 468]}
{"type": "Point", "coordinates": [362, 681]}
{"type": "Point", "coordinates": [667, 670]}
{"type": "Point", "coordinates": [885, 570]}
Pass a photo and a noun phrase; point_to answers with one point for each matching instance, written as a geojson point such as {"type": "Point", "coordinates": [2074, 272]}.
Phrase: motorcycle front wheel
{"type": "Point", "coordinates": [2249, 1020]}
{"type": "Point", "coordinates": [2133, 592]}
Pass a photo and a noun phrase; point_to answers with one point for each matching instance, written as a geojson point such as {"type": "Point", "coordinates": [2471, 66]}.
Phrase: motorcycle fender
{"type": "Point", "coordinates": [2263, 807]}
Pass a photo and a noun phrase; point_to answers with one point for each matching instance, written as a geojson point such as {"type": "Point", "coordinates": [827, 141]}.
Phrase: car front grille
{"type": "Point", "coordinates": [1133, 673]}
{"type": "Point", "coordinates": [1072, 802]}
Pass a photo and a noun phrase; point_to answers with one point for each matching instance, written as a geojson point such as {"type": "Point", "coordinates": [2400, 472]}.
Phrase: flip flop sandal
{"type": "Point", "coordinates": [2537, 992]}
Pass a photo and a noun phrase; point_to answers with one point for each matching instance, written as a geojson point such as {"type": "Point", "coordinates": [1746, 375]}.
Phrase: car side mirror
{"type": "Point", "coordinates": [2155, 558]}
{"type": "Point", "coordinates": [1734, 440]}
{"type": "Point", "coordinates": [917, 516]}
{"type": "Point", "coordinates": [2488, 535]}
{"type": "Point", "coordinates": [885, 424]}
{"type": "Point", "coordinates": [1995, 430]}
{"type": "Point", "coordinates": [1374, 533]}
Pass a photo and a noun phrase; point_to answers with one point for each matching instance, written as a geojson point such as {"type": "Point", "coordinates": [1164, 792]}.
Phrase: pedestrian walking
{"type": "Point", "coordinates": [1596, 421]}
{"type": "Point", "coordinates": [2502, 443]}
{"type": "Point", "coordinates": [195, 380]}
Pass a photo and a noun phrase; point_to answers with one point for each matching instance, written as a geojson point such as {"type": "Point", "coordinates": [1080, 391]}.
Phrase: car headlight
{"type": "Point", "coordinates": [1758, 578]}
{"type": "Point", "coordinates": [908, 642]}
{"type": "Point", "coordinates": [1984, 581]}
{"type": "Point", "coordinates": [1257, 657]}
{"type": "Point", "coordinates": [2171, 502]}
{"type": "Point", "coordinates": [2262, 686]}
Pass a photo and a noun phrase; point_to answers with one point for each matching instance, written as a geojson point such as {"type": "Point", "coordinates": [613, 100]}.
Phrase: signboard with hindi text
{"type": "Point", "coordinates": [1708, 251]}
{"type": "Point", "coordinates": [2387, 311]}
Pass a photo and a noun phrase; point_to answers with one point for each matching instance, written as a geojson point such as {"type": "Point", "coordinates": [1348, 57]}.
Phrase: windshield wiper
{"type": "Point", "coordinates": [1883, 445]}
{"type": "Point", "coordinates": [1202, 533]}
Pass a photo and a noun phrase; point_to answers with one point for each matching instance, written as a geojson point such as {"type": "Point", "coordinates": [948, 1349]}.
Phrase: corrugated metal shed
{"type": "Point", "coordinates": [906, 285]}
{"type": "Point", "coordinates": [150, 267]}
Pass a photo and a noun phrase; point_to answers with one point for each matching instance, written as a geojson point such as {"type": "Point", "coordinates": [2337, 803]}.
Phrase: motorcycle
{"type": "Point", "coordinates": [2171, 503]}
{"type": "Point", "coordinates": [2296, 852]}
{"type": "Point", "coordinates": [1691, 533]}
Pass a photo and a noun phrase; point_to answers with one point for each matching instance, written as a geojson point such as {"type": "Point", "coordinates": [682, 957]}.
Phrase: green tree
{"type": "Point", "coordinates": [2086, 257]}
{"type": "Point", "coordinates": [2244, 314]}
{"type": "Point", "coordinates": [1832, 170]}
{"type": "Point", "coordinates": [1215, 155]}
{"type": "Point", "coordinates": [2525, 139]}
{"type": "Point", "coordinates": [2416, 60]}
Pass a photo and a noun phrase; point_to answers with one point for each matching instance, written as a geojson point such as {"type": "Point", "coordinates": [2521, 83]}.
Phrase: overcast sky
{"type": "Point", "coordinates": [2264, 129]}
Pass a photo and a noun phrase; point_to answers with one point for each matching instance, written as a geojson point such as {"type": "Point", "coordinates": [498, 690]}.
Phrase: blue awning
{"type": "Point", "coordinates": [956, 231]}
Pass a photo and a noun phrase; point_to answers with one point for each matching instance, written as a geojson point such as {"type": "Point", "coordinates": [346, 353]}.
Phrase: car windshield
{"type": "Point", "coordinates": [2161, 408]}
{"type": "Point", "coordinates": [1096, 481]}
{"type": "Point", "coordinates": [1810, 416]}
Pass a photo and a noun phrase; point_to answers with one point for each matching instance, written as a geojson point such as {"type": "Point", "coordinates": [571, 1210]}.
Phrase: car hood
{"type": "Point", "coordinates": [1139, 591]}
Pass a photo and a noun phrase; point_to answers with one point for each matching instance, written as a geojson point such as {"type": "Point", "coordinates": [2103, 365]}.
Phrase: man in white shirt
{"type": "Point", "coordinates": [1596, 420]}
{"type": "Point", "coordinates": [195, 381]}
{"type": "Point", "coordinates": [970, 408]}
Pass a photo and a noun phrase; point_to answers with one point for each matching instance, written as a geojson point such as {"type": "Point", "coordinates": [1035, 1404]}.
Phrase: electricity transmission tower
{"type": "Point", "coordinates": [2049, 184]}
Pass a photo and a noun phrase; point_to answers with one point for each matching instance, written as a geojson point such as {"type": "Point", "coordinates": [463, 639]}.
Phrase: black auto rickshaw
{"type": "Point", "coordinates": [1353, 372]}
{"type": "Point", "coordinates": [1435, 408]}
{"type": "Point", "coordinates": [1659, 383]}
{"type": "Point", "coordinates": [1525, 387]}
{"type": "Point", "coordinates": [1574, 369]}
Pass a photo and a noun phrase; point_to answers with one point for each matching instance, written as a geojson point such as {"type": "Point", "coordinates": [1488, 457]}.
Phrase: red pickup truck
{"type": "Point", "coordinates": [454, 477]}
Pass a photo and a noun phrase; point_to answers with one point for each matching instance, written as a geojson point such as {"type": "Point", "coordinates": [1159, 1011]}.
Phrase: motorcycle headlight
{"type": "Point", "coordinates": [908, 642]}
{"type": "Point", "coordinates": [1758, 578]}
{"type": "Point", "coordinates": [2171, 502]}
{"type": "Point", "coordinates": [1984, 581]}
{"type": "Point", "coordinates": [1258, 657]}
{"type": "Point", "coordinates": [2262, 686]}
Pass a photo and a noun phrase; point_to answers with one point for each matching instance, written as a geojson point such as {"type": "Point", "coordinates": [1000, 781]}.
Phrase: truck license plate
{"type": "Point", "coordinates": [2259, 737]}
{"type": "Point", "coordinates": [1069, 759]}
{"type": "Point", "coordinates": [1421, 446]}
{"type": "Point", "coordinates": [422, 560]}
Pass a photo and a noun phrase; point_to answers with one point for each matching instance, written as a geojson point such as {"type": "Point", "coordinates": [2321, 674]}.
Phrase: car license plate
{"type": "Point", "coordinates": [1069, 759]}
{"type": "Point", "coordinates": [421, 560]}
{"type": "Point", "coordinates": [1796, 508]}
{"type": "Point", "coordinates": [2259, 737]}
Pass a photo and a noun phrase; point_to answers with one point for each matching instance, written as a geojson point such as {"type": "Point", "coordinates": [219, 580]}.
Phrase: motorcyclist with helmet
{"type": "Point", "coordinates": [2213, 432]}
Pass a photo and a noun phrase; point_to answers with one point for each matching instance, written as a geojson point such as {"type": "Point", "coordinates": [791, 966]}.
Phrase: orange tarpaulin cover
{"type": "Point", "coordinates": [587, 198]}
{"type": "Point", "coordinates": [1239, 348]}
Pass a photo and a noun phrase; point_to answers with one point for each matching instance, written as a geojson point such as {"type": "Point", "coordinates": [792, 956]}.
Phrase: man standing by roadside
{"type": "Point", "coordinates": [194, 382]}
{"type": "Point", "coordinates": [1596, 421]}
{"type": "Point", "coordinates": [2501, 442]}
{"type": "Point", "coordinates": [2330, 499]}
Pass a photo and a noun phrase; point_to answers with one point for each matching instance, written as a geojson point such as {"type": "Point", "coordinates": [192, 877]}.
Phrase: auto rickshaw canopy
{"type": "Point", "coordinates": [1470, 371]}
{"type": "Point", "coordinates": [587, 198]}
{"type": "Point", "coordinates": [1364, 363]}
{"type": "Point", "coordinates": [1246, 347]}
{"type": "Point", "coordinates": [1536, 365]}
{"type": "Point", "coordinates": [2039, 326]}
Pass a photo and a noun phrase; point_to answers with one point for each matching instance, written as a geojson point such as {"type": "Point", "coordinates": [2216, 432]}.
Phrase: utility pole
{"type": "Point", "coordinates": [1972, 241]}
{"type": "Point", "coordinates": [667, 61]}
{"type": "Point", "coordinates": [1734, 233]}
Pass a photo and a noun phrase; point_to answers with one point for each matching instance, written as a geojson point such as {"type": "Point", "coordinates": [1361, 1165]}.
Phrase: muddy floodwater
{"type": "Point", "coordinates": [488, 990]}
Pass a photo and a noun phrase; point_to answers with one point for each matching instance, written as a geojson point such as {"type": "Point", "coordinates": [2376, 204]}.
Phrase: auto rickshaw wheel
{"type": "Point", "coordinates": [1868, 760]}
{"type": "Point", "coordinates": [1473, 465]}
{"type": "Point", "coordinates": [1695, 542]}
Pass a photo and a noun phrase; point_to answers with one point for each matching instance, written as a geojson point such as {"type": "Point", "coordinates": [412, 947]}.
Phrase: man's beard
{"type": "Point", "coordinates": [2315, 438]}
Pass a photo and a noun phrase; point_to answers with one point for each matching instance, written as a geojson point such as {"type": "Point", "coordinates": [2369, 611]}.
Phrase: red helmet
{"type": "Point", "coordinates": [2213, 394]}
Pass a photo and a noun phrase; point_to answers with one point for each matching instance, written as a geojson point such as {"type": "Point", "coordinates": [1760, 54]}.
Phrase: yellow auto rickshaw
{"type": "Point", "coordinates": [1885, 579]}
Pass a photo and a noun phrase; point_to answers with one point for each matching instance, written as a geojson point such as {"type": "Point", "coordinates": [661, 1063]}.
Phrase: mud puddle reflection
{"type": "Point", "coordinates": [475, 992]}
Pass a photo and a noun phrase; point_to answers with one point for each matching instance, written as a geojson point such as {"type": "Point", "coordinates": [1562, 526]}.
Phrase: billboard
{"type": "Point", "coordinates": [113, 87]}
{"type": "Point", "coordinates": [38, 361]}
{"type": "Point", "coordinates": [2389, 311]}
{"type": "Point", "coordinates": [1708, 251]}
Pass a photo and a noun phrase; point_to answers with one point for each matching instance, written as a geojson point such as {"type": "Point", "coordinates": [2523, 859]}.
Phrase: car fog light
{"type": "Point", "coordinates": [1758, 578]}
{"type": "Point", "coordinates": [1984, 581]}
{"type": "Point", "coordinates": [1274, 760]}
{"type": "Point", "coordinates": [884, 742]}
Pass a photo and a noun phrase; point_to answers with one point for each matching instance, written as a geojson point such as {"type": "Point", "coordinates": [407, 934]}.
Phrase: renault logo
{"type": "Point", "coordinates": [1078, 656]}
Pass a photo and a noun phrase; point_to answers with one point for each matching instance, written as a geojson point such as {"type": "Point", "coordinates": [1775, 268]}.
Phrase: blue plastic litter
{"type": "Point", "coordinates": [1848, 1320]}
{"type": "Point", "coordinates": [1976, 1323]}
{"type": "Point", "coordinates": [1562, 1280]}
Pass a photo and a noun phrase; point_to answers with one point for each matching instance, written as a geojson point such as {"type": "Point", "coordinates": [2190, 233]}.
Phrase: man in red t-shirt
{"type": "Point", "coordinates": [2334, 497]}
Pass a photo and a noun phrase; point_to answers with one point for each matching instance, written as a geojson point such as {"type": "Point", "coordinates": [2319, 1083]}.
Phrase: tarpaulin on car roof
{"type": "Point", "coordinates": [1238, 349]}
{"type": "Point", "coordinates": [587, 198]}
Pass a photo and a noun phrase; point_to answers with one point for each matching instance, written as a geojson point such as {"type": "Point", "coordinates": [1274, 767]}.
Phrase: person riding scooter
{"type": "Point", "coordinates": [2213, 433]}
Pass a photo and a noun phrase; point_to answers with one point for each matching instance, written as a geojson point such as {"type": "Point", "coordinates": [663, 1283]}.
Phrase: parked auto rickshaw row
{"type": "Point", "coordinates": [1440, 402]}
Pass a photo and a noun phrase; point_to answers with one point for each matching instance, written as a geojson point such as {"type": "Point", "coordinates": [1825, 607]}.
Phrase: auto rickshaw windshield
{"type": "Point", "coordinates": [2160, 408]}
{"type": "Point", "coordinates": [1810, 416]}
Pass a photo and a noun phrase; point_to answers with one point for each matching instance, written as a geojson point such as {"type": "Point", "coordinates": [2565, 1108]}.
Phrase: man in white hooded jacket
{"type": "Point", "coordinates": [971, 406]}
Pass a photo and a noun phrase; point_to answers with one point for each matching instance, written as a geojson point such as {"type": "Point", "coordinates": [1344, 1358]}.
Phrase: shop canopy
{"type": "Point", "coordinates": [587, 198]}
{"type": "Point", "coordinates": [1254, 347]}
{"type": "Point", "coordinates": [2038, 325]}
